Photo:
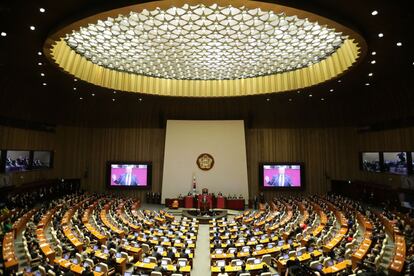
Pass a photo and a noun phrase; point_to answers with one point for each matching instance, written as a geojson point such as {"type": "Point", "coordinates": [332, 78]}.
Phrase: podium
{"type": "Point", "coordinates": [188, 202]}
{"type": "Point", "coordinates": [209, 201]}
{"type": "Point", "coordinates": [221, 202]}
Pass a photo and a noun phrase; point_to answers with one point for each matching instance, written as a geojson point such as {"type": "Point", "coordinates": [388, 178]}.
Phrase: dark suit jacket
{"type": "Point", "coordinates": [122, 180]}
{"type": "Point", "coordinates": [275, 181]}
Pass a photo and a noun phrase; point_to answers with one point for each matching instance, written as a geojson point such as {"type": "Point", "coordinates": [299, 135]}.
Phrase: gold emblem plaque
{"type": "Point", "coordinates": [205, 162]}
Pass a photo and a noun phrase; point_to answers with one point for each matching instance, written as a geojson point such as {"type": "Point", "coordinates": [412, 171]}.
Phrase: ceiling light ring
{"type": "Point", "coordinates": [262, 39]}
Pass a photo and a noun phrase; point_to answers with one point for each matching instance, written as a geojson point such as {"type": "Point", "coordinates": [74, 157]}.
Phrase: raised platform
{"type": "Point", "coordinates": [204, 218]}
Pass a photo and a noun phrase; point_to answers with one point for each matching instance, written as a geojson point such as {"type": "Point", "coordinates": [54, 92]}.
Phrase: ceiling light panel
{"type": "Point", "coordinates": [205, 42]}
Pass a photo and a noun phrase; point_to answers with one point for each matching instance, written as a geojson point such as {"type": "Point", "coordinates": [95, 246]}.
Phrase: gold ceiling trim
{"type": "Point", "coordinates": [347, 55]}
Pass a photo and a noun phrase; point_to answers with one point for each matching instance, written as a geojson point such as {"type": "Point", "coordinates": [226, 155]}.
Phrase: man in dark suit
{"type": "Point", "coordinates": [281, 179]}
{"type": "Point", "coordinates": [128, 178]}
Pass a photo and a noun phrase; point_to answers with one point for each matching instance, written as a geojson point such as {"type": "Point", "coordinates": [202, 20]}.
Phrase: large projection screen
{"type": "Point", "coordinates": [186, 140]}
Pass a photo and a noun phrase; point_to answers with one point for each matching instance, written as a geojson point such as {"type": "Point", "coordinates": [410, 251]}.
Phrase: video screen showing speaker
{"type": "Point", "coordinates": [395, 162]}
{"type": "Point", "coordinates": [129, 174]}
{"type": "Point", "coordinates": [42, 160]}
{"type": "Point", "coordinates": [17, 161]}
{"type": "Point", "coordinates": [370, 161]}
{"type": "Point", "coordinates": [281, 175]}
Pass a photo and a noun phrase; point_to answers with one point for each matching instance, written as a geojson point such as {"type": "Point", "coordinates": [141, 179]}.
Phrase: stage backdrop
{"type": "Point", "coordinates": [186, 140]}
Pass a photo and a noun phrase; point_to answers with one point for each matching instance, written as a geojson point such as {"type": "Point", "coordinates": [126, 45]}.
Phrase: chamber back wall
{"type": "Point", "coordinates": [186, 140]}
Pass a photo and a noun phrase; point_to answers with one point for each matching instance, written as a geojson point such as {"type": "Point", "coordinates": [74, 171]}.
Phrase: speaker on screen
{"type": "Point", "coordinates": [282, 175]}
{"type": "Point", "coordinates": [133, 175]}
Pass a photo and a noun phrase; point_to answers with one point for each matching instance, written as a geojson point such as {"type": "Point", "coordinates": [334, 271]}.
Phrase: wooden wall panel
{"type": "Point", "coordinates": [328, 153]}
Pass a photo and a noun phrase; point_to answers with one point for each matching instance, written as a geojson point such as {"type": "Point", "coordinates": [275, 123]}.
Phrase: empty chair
{"type": "Point", "coordinates": [104, 268]}
{"type": "Point", "coordinates": [302, 250]}
{"type": "Point", "coordinates": [234, 262]}
{"type": "Point", "coordinates": [145, 248]}
{"type": "Point", "coordinates": [127, 257]}
{"type": "Point", "coordinates": [245, 274]}
{"type": "Point", "coordinates": [87, 241]}
{"type": "Point", "coordinates": [348, 253]}
{"type": "Point", "coordinates": [348, 245]}
{"type": "Point", "coordinates": [103, 247]}
{"type": "Point", "coordinates": [90, 262]}
{"type": "Point", "coordinates": [113, 250]}
{"type": "Point", "coordinates": [315, 264]}
{"type": "Point", "coordinates": [266, 274]}
{"type": "Point", "coordinates": [51, 273]}
{"type": "Point", "coordinates": [327, 261]}
{"type": "Point", "coordinates": [292, 253]}
{"type": "Point", "coordinates": [250, 261]}
{"type": "Point", "coordinates": [267, 259]}
{"type": "Point", "coordinates": [79, 257]}
{"type": "Point", "coordinates": [168, 260]}
{"type": "Point", "coordinates": [42, 270]}
{"type": "Point", "coordinates": [156, 273]}
{"type": "Point", "coordinates": [182, 261]}
{"type": "Point", "coordinates": [152, 259]}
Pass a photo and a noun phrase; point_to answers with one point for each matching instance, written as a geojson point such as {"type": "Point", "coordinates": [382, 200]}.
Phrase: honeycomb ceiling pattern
{"type": "Point", "coordinates": [205, 42]}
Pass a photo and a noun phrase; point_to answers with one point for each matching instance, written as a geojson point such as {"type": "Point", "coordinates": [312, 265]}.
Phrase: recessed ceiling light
{"type": "Point", "coordinates": [39, 63]}
{"type": "Point", "coordinates": [93, 95]}
{"type": "Point", "coordinates": [331, 90]}
{"type": "Point", "coordinates": [74, 88]}
{"type": "Point", "coordinates": [298, 92]}
{"type": "Point", "coordinates": [238, 66]}
{"type": "Point", "coordinates": [322, 99]}
{"type": "Point", "coordinates": [290, 100]}
{"type": "Point", "coordinates": [42, 74]}
{"type": "Point", "coordinates": [44, 84]}
{"type": "Point", "coordinates": [80, 98]}
{"type": "Point", "coordinates": [39, 53]}
{"type": "Point", "coordinates": [374, 13]}
{"type": "Point", "coordinates": [42, 10]}
{"type": "Point", "coordinates": [75, 79]}
{"type": "Point", "coordinates": [310, 95]}
{"type": "Point", "coordinates": [373, 61]}
{"type": "Point", "coordinates": [374, 53]}
{"type": "Point", "coordinates": [367, 84]}
{"type": "Point", "coordinates": [140, 99]}
{"type": "Point", "coordinates": [267, 99]}
{"type": "Point", "coordinates": [339, 80]}
{"type": "Point", "coordinates": [370, 74]}
{"type": "Point", "coordinates": [113, 100]}
{"type": "Point", "coordinates": [380, 35]}
{"type": "Point", "coordinates": [32, 28]}
{"type": "Point", "coordinates": [399, 44]}
{"type": "Point", "coordinates": [3, 34]}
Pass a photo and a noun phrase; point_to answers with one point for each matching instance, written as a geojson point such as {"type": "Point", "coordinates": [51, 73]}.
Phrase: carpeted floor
{"type": "Point", "coordinates": [201, 261]}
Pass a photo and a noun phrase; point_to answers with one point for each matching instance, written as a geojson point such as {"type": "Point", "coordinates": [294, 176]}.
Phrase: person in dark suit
{"type": "Point", "coordinates": [87, 272]}
{"type": "Point", "coordinates": [281, 179]}
{"type": "Point", "coordinates": [128, 178]}
{"type": "Point", "coordinates": [171, 254]}
{"type": "Point", "coordinates": [243, 270]}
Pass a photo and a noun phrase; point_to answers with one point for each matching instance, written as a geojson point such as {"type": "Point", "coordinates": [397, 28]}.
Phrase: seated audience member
{"type": "Point", "coordinates": [111, 261]}
{"type": "Point", "coordinates": [171, 254]}
{"type": "Point", "coordinates": [264, 269]}
{"type": "Point", "coordinates": [87, 271]}
{"type": "Point", "coordinates": [222, 272]}
{"type": "Point", "coordinates": [243, 270]}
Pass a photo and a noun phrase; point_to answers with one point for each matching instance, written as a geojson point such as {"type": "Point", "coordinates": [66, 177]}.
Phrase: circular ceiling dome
{"type": "Point", "coordinates": [204, 42]}
{"type": "Point", "coordinates": [205, 48]}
